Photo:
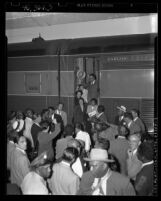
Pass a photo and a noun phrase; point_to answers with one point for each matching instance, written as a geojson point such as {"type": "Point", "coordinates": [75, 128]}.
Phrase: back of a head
{"type": "Point", "coordinates": [74, 143]}
{"type": "Point", "coordinates": [103, 143]}
{"type": "Point", "coordinates": [101, 108]}
{"type": "Point", "coordinates": [44, 124]}
{"type": "Point", "coordinates": [79, 126]}
{"type": "Point", "coordinates": [68, 130]}
{"type": "Point", "coordinates": [12, 135]}
{"type": "Point", "coordinates": [70, 154]}
{"type": "Point", "coordinates": [146, 150]}
{"type": "Point", "coordinates": [128, 115]}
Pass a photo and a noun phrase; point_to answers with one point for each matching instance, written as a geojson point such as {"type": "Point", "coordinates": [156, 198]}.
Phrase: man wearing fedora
{"type": "Point", "coordinates": [119, 119]}
{"type": "Point", "coordinates": [101, 180]}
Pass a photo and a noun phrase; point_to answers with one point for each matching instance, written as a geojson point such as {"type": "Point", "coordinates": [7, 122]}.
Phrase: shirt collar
{"type": "Point", "coordinates": [129, 124]}
{"type": "Point", "coordinates": [65, 163]}
{"type": "Point", "coordinates": [23, 151]}
{"type": "Point", "coordinates": [99, 114]}
{"type": "Point", "coordinates": [135, 119]}
{"type": "Point", "coordinates": [122, 137]}
{"type": "Point", "coordinates": [148, 163]}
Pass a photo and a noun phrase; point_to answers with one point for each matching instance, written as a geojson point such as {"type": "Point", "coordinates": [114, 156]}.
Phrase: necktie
{"type": "Point", "coordinates": [100, 187]}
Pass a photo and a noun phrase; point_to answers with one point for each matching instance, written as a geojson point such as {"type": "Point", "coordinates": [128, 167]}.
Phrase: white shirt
{"type": "Point", "coordinates": [34, 184]}
{"type": "Point", "coordinates": [135, 119]}
{"type": "Point", "coordinates": [148, 163]}
{"type": "Point", "coordinates": [102, 183]}
{"type": "Point", "coordinates": [84, 136]}
{"type": "Point", "coordinates": [129, 124]}
{"type": "Point", "coordinates": [77, 167]}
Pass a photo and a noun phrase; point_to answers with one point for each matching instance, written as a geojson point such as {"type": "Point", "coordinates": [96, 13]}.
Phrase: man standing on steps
{"type": "Point", "coordinates": [93, 91]}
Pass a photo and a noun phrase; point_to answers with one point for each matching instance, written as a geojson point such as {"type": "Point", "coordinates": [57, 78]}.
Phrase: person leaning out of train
{"type": "Point", "coordinates": [93, 91]}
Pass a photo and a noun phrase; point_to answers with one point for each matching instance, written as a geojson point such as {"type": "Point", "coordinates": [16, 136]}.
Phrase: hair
{"type": "Point", "coordinates": [115, 166]}
{"type": "Point", "coordinates": [78, 91]}
{"type": "Point", "coordinates": [95, 100]}
{"type": "Point", "coordinates": [100, 126]}
{"type": "Point", "coordinates": [50, 107]}
{"type": "Point", "coordinates": [146, 149]}
{"type": "Point", "coordinates": [68, 130]}
{"type": "Point", "coordinates": [28, 111]}
{"type": "Point", "coordinates": [103, 143]}
{"type": "Point", "coordinates": [60, 103]}
{"type": "Point", "coordinates": [44, 124]}
{"type": "Point", "coordinates": [128, 115]}
{"type": "Point", "coordinates": [126, 131]}
{"type": "Point", "coordinates": [19, 113]}
{"type": "Point", "coordinates": [36, 115]}
{"type": "Point", "coordinates": [79, 126]}
{"type": "Point", "coordinates": [70, 154]}
{"type": "Point", "coordinates": [136, 111]}
{"type": "Point", "coordinates": [75, 143]}
{"type": "Point", "coordinates": [101, 108]}
{"type": "Point", "coordinates": [17, 137]}
{"type": "Point", "coordinates": [81, 99]}
{"type": "Point", "coordinates": [93, 75]}
{"type": "Point", "coordinates": [11, 135]}
{"type": "Point", "coordinates": [11, 115]}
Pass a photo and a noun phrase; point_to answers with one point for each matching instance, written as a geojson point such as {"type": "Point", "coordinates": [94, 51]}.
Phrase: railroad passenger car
{"type": "Point", "coordinates": [41, 73]}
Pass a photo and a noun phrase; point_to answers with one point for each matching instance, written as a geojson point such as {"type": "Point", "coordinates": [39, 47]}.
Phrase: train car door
{"type": "Point", "coordinates": [84, 66]}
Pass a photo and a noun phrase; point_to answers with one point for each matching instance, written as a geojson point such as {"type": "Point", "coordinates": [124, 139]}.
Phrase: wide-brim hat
{"type": "Point", "coordinates": [98, 154]}
{"type": "Point", "coordinates": [122, 108]}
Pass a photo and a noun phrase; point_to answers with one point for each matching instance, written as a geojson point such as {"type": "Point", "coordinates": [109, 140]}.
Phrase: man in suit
{"type": "Point", "coordinates": [93, 91]}
{"type": "Point", "coordinates": [138, 121]}
{"type": "Point", "coordinates": [119, 119]}
{"type": "Point", "coordinates": [62, 113]}
{"type": "Point", "coordinates": [63, 180]}
{"type": "Point", "coordinates": [133, 163]}
{"type": "Point", "coordinates": [101, 117]}
{"type": "Point", "coordinates": [131, 125]}
{"type": "Point", "coordinates": [119, 147]}
{"type": "Point", "coordinates": [61, 144]}
{"type": "Point", "coordinates": [101, 180]}
{"type": "Point", "coordinates": [144, 179]}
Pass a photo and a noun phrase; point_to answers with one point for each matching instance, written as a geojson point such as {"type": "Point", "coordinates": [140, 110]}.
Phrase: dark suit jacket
{"type": "Point", "coordinates": [118, 122]}
{"type": "Point", "coordinates": [35, 129]}
{"type": "Point", "coordinates": [118, 148]}
{"type": "Point", "coordinates": [102, 118]}
{"type": "Point", "coordinates": [141, 125]}
{"type": "Point", "coordinates": [117, 184]}
{"type": "Point", "coordinates": [93, 91]}
{"type": "Point", "coordinates": [61, 145]}
{"type": "Point", "coordinates": [79, 115]}
{"type": "Point", "coordinates": [134, 128]}
{"type": "Point", "coordinates": [45, 141]}
{"type": "Point", "coordinates": [144, 181]}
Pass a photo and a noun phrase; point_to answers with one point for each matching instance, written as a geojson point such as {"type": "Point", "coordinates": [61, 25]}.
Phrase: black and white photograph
{"type": "Point", "coordinates": [81, 100]}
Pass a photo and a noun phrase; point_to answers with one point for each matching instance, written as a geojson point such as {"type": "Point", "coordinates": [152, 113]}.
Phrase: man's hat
{"type": "Point", "coordinates": [98, 154]}
{"type": "Point", "coordinates": [122, 108]}
{"type": "Point", "coordinates": [41, 160]}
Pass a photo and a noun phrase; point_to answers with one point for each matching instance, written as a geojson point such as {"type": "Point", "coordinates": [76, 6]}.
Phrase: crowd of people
{"type": "Point", "coordinates": [47, 155]}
